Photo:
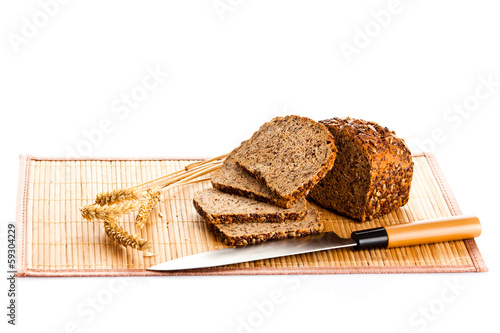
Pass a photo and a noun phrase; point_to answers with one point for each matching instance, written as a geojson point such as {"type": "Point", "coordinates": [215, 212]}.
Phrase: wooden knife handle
{"type": "Point", "coordinates": [433, 231]}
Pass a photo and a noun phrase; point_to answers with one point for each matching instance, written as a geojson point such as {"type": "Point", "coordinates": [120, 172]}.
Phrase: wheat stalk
{"type": "Point", "coordinates": [116, 196]}
{"type": "Point", "coordinates": [196, 168]}
{"type": "Point", "coordinates": [215, 160]}
{"type": "Point", "coordinates": [122, 237]}
{"type": "Point", "coordinates": [184, 182]}
{"type": "Point", "coordinates": [108, 212]}
{"type": "Point", "coordinates": [152, 197]}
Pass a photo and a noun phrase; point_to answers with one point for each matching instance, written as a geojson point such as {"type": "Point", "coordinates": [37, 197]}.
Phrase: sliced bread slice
{"type": "Point", "coordinates": [289, 154]}
{"type": "Point", "coordinates": [220, 207]}
{"type": "Point", "coordinates": [232, 178]}
{"type": "Point", "coordinates": [240, 234]}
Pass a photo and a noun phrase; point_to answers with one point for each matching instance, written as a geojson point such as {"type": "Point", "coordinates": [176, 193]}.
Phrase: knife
{"type": "Point", "coordinates": [406, 234]}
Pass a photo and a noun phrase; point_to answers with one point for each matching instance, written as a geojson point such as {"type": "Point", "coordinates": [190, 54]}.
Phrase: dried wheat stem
{"type": "Point", "coordinates": [182, 183]}
{"type": "Point", "coordinates": [116, 196]}
{"type": "Point", "coordinates": [173, 175]}
{"type": "Point", "coordinates": [202, 172]}
{"type": "Point", "coordinates": [152, 198]}
{"type": "Point", "coordinates": [181, 174]}
{"type": "Point", "coordinates": [188, 176]}
{"type": "Point", "coordinates": [196, 164]}
{"type": "Point", "coordinates": [169, 179]}
{"type": "Point", "coordinates": [122, 237]}
{"type": "Point", "coordinates": [108, 212]}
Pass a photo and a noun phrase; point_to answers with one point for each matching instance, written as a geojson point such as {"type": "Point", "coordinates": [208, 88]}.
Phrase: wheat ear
{"type": "Point", "coordinates": [110, 205]}
{"type": "Point", "coordinates": [152, 198]}
{"type": "Point", "coordinates": [122, 237]}
{"type": "Point", "coordinates": [116, 196]}
{"type": "Point", "coordinates": [108, 212]}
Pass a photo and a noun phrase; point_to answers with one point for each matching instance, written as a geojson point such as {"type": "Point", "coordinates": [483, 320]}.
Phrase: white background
{"type": "Point", "coordinates": [231, 69]}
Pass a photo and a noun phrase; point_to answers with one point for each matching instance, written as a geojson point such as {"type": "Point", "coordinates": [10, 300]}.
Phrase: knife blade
{"type": "Point", "coordinates": [405, 234]}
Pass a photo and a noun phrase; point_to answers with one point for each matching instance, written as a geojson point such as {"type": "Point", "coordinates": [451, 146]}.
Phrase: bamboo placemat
{"type": "Point", "coordinates": [54, 240]}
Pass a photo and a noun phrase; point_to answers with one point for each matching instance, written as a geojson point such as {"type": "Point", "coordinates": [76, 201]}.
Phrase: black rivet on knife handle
{"type": "Point", "coordinates": [368, 238]}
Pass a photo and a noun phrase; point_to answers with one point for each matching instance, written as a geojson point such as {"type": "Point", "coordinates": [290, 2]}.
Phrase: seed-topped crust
{"type": "Point", "coordinates": [220, 207]}
{"type": "Point", "coordinates": [289, 154]}
{"type": "Point", "coordinates": [241, 234]}
{"type": "Point", "coordinates": [372, 173]}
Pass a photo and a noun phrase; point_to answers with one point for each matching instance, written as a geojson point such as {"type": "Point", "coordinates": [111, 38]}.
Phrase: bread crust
{"type": "Point", "coordinates": [267, 235]}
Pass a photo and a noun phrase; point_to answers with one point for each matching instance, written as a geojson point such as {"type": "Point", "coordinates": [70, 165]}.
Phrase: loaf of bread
{"type": "Point", "coordinates": [289, 154]}
{"type": "Point", "coordinates": [232, 178]}
{"type": "Point", "coordinates": [220, 207]}
{"type": "Point", "coordinates": [239, 234]}
{"type": "Point", "coordinates": [372, 172]}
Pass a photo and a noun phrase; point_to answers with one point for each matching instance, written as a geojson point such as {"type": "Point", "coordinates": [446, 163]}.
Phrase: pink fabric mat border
{"type": "Point", "coordinates": [22, 271]}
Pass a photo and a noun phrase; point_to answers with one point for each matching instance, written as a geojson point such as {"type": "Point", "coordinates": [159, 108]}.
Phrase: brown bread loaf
{"type": "Point", "coordinates": [219, 207]}
{"type": "Point", "coordinates": [289, 154]}
{"type": "Point", "coordinates": [372, 172]}
{"type": "Point", "coordinates": [238, 234]}
{"type": "Point", "coordinates": [232, 178]}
